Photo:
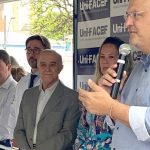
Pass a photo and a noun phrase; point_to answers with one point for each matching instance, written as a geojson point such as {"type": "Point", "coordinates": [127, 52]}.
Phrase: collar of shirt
{"type": "Point", "coordinates": [36, 73]}
{"type": "Point", "coordinates": [6, 84]}
{"type": "Point", "coordinates": [145, 59]}
{"type": "Point", "coordinates": [50, 89]}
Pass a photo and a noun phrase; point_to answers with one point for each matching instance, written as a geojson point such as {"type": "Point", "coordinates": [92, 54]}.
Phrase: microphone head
{"type": "Point", "coordinates": [125, 49]}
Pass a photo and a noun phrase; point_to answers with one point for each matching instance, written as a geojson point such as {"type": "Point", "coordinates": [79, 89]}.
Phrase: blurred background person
{"type": "Point", "coordinates": [93, 131]}
{"type": "Point", "coordinates": [14, 62]}
{"type": "Point", "coordinates": [18, 73]}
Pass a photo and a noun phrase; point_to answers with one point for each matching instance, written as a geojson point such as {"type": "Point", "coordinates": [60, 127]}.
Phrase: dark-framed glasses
{"type": "Point", "coordinates": [35, 50]}
{"type": "Point", "coordinates": [134, 15]}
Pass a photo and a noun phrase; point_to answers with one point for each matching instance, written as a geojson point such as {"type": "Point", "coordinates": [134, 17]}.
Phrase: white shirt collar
{"type": "Point", "coordinates": [51, 88]}
{"type": "Point", "coordinates": [6, 84]}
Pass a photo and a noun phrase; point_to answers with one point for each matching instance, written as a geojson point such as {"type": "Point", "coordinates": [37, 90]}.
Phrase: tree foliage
{"type": "Point", "coordinates": [52, 18]}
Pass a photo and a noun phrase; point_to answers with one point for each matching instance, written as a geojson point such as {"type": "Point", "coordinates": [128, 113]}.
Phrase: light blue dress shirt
{"type": "Point", "coordinates": [136, 93]}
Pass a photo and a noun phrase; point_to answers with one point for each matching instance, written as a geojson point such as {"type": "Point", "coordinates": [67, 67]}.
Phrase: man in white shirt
{"type": "Point", "coordinates": [49, 113]}
{"type": "Point", "coordinates": [7, 94]}
{"type": "Point", "coordinates": [34, 45]}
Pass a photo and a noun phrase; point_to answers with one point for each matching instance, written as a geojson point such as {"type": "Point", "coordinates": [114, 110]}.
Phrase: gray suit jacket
{"type": "Point", "coordinates": [56, 129]}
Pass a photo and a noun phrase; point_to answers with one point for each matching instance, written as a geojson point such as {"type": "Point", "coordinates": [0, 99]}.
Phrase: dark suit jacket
{"type": "Point", "coordinates": [56, 129]}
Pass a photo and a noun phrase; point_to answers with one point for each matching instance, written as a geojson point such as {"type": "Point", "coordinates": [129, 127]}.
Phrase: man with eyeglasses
{"type": "Point", "coordinates": [132, 112]}
{"type": "Point", "coordinates": [34, 45]}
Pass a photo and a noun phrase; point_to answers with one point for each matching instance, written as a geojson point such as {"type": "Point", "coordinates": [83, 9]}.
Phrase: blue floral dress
{"type": "Point", "coordinates": [93, 133]}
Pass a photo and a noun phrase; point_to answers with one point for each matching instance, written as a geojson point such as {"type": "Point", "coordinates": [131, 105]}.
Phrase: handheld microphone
{"type": "Point", "coordinates": [124, 51]}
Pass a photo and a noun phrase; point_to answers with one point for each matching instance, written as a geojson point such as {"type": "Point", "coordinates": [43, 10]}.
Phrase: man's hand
{"type": "Point", "coordinates": [108, 79]}
{"type": "Point", "coordinates": [98, 101]}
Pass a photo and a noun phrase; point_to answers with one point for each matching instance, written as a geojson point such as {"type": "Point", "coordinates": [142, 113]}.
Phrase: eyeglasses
{"type": "Point", "coordinates": [134, 15]}
{"type": "Point", "coordinates": [34, 50]}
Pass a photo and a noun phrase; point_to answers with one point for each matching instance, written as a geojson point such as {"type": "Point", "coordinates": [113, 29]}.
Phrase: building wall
{"type": "Point", "coordinates": [1, 18]}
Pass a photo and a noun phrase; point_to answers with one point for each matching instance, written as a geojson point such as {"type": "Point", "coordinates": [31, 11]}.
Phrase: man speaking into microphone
{"type": "Point", "coordinates": [132, 111]}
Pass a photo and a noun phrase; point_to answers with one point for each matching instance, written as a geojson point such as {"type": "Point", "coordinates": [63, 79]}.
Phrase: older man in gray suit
{"type": "Point", "coordinates": [48, 113]}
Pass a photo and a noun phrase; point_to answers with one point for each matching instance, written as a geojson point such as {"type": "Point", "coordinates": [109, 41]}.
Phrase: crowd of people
{"type": "Point", "coordinates": [37, 111]}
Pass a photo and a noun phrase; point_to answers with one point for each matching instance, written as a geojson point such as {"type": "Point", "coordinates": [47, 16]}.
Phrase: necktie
{"type": "Point", "coordinates": [33, 76]}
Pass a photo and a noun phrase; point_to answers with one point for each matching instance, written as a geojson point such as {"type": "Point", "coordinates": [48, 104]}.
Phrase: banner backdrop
{"type": "Point", "coordinates": [96, 20]}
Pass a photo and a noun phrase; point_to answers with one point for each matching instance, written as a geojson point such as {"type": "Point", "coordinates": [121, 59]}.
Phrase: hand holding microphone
{"type": "Point", "coordinates": [124, 51]}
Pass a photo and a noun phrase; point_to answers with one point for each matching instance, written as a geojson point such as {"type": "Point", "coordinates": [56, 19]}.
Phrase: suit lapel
{"type": "Point", "coordinates": [53, 101]}
{"type": "Point", "coordinates": [34, 102]}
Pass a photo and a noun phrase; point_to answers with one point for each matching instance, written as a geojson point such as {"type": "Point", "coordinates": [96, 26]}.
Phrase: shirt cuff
{"type": "Point", "coordinates": [137, 122]}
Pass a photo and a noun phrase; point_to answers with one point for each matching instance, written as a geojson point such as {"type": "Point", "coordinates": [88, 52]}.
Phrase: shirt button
{"type": "Point", "coordinates": [117, 128]}
{"type": "Point", "coordinates": [136, 90]}
{"type": "Point", "coordinates": [145, 70]}
{"type": "Point", "coordinates": [114, 149]}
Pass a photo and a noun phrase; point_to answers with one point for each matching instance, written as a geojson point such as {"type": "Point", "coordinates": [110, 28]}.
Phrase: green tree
{"type": "Point", "coordinates": [52, 18]}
